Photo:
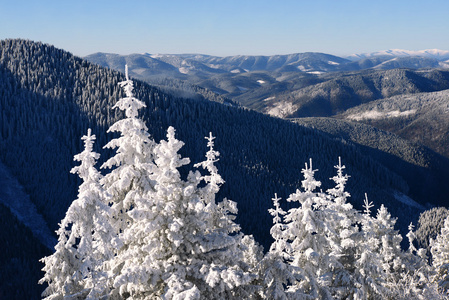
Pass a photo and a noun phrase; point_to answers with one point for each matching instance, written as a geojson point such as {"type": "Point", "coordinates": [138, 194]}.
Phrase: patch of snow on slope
{"type": "Point", "coordinates": [183, 70]}
{"type": "Point", "coordinates": [315, 72]}
{"type": "Point", "coordinates": [157, 56]}
{"type": "Point", "coordinates": [407, 200]}
{"type": "Point", "coordinates": [269, 98]}
{"type": "Point", "coordinates": [282, 109]}
{"type": "Point", "coordinates": [333, 63]}
{"type": "Point", "coordinates": [213, 66]}
{"type": "Point", "coordinates": [444, 64]}
{"type": "Point", "coordinates": [235, 71]}
{"type": "Point", "coordinates": [261, 81]}
{"type": "Point", "coordinates": [13, 196]}
{"type": "Point", "coordinates": [374, 114]}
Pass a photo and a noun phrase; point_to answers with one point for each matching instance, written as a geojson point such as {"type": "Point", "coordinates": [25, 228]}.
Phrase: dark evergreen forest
{"type": "Point", "coordinates": [48, 99]}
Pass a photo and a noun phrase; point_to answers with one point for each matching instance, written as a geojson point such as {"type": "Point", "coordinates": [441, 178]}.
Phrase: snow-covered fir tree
{"type": "Point", "coordinates": [343, 237]}
{"type": "Point", "coordinates": [129, 178]}
{"type": "Point", "coordinates": [305, 231]}
{"type": "Point", "coordinates": [151, 233]}
{"type": "Point", "coordinates": [177, 247]}
{"type": "Point", "coordinates": [440, 257]}
{"type": "Point", "coordinates": [86, 238]}
{"type": "Point", "coordinates": [279, 276]}
{"type": "Point", "coordinates": [379, 252]}
{"type": "Point", "coordinates": [413, 279]}
{"type": "Point", "coordinates": [325, 249]}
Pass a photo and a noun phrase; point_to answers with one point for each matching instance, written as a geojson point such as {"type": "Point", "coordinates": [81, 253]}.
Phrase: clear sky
{"type": "Point", "coordinates": [229, 27]}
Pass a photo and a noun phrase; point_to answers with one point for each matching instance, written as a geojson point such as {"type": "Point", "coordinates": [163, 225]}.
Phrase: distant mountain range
{"type": "Point", "coordinates": [148, 65]}
{"type": "Point", "coordinates": [296, 85]}
{"type": "Point", "coordinates": [440, 55]}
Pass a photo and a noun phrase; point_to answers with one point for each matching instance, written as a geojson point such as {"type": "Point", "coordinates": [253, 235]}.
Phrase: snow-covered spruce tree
{"type": "Point", "coordinates": [379, 253]}
{"type": "Point", "coordinates": [86, 238]}
{"type": "Point", "coordinates": [177, 246]}
{"type": "Point", "coordinates": [278, 275]}
{"type": "Point", "coordinates": [129, 178]}
{"type": "Point", "coordinates": [305, 230]}
{"type": "Point", "coordinates": [413, 279]}
{"type": "Point", "coordinates": [440, 257]}
{"type": "Point", "coordinates": [343, 237]}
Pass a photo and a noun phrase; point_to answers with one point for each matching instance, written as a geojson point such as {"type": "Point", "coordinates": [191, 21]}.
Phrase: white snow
{"type": "Point", "coordinates": [183, 70]}
{"type": "Point", "coordinates": [282, 109]}
{"type": "Point", "coordinates": [333, 63]}
{"type": "Point", "coordinates": [157, 55]}
{"type": "Point", "coordinates": [269, 98]}
{"type": "Point", "coordinates": [214, 66]}
{"type": "Point", "coordinates": [430, 53]}
{"type": "Point", "coordinates": [235, 71]}
{"type": "Point", "coordinates": [261, 81]}
{"type": "Point", "coordinates": [315, 72]}
{"type": "Point", "coordinates": [374, 114]}
{"type": "Point", "coordinates": [444, 64]}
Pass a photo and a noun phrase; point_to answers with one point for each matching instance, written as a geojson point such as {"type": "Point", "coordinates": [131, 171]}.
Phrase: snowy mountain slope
{"type": "Point", "coordinates": [425, 170]}
{"type": "Point", "coordinates": [437, 54]}
{"type": "Point", "coordinates": [301, 81]}
{"type": "Point", "coordinates": [422, 117]}
{"type": "Point", "coordinates": [335, 94]}
{"type": "Point", "coordinates": [13, 196]}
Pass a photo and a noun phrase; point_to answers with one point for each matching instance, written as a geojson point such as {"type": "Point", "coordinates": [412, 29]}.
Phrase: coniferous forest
{"type": "Point", "coordinates": [320, 242]}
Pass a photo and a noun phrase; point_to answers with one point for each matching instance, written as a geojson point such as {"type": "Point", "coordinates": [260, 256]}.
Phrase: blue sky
{"type": "Point", "coordinates": [229, 27]}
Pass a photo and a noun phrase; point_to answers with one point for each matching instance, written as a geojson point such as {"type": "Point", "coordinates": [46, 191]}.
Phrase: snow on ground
{"type": "Point", "coordinates": [183, 70]}
{"type": "Point", "coordinates": [235, 71]}
{"type": "Point", "coordinates": [374, 114]}
{"type": "Point", "coordinates": [261, 81]}
{"type": "Point", "coordinates": [269, 98]}
{"type": "Point", "coordinates": [407, 200]}
{"type": "Point", "coordinates": [282, 109]}
{"type": "Point", "coordinates": [214, 66]}
{"type": "Point", "coordinates": [333, 63]}
{"type": "Point", "coordinates": [13, 196]}
{"type": "Point", "coordinates": [158, 55]}
{"type": "Point", "coordinates": [444, 64]}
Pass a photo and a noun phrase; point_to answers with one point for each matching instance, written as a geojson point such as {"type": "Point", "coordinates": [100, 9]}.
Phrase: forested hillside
{"type": "Point", "coordinates": [423, 117]}
{"type": "Point", "coordinates": [48, 99]}
{"type": "Point", "coordinates": [425, 171]}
